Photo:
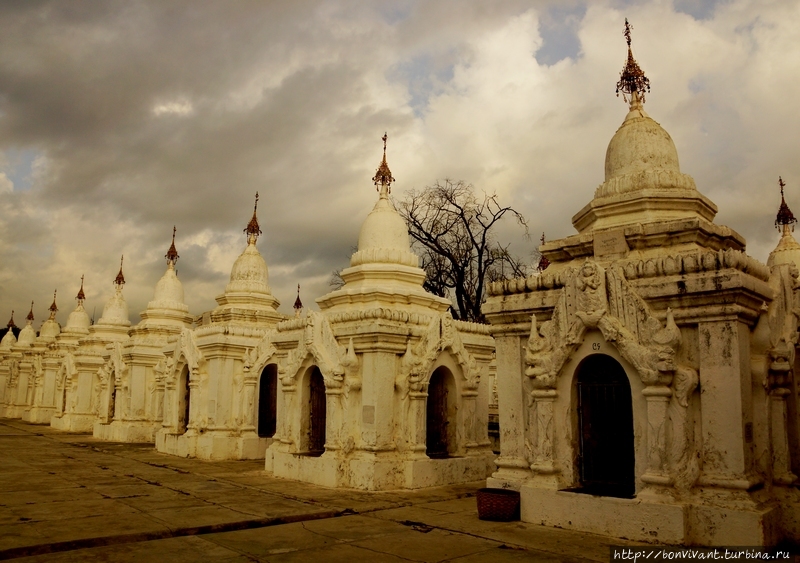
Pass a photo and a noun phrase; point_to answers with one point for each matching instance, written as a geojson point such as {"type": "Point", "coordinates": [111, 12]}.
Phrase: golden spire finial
{"type": "Point", "coordinates": [11, 324]}
{"type": "Point", "coordinates": [172, 254]}
{"type": "Point", "coordinates": [29, 318]}
{"type": "Point", "coordinates": [632, 81]}
{"type": "Point", "coordinates": [383, 176]}
{"type": "Point", "coordinates": [119, 281]}
{"type": "Point", "coordinates": [81, 296]}
{"type": "Point", "coordinates": [543, 262]}
{"type": "Point", "coordinates": [252, 229]}
{"type": "Point", "coordinates": [785, 216]}
{"type": "Point", "coordinates": [53, 308]}
{"type": "Point", "coordinates": [298, 305]}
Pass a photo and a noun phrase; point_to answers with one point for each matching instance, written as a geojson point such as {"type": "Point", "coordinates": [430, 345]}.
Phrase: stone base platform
{"type": "Point", "coordinates": [212, 445]}
{"type": "Point", "coordinates": [657, 521]}
{"type": "Point", "coordinates": [39, 415]}
{"type": "Point", "coordinates": [73, 422]}
{"type": "Point", "coordinates": [378, 472]}
{"type": "Point", "coordinates": [126, 431]}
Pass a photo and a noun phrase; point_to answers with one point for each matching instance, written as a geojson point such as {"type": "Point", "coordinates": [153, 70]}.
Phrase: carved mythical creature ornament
{"type": "Point", "coordinates": [596, 299]}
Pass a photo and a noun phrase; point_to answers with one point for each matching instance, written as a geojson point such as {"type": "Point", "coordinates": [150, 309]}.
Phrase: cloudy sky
{"type": "Point", "coordinates": [119, 119]}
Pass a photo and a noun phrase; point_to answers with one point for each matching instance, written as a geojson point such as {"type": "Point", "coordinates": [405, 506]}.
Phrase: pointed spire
{"type": "Point", "coordinates": [252, 229]}
{"type": "Point", "coordinates": [383, 176]}
{"type": "Point", "coordinates": [298, 305]}
{"type": "Point", "coordinates": [29, 318]}
{"type": "Point", "coordinates": [81, 297]}
{"type": "Point", "coordinates": [172, 253]}
{"type": "Point", "coordinates": [785, 216]}
{"type": "Point", "coordinates": [53, 308]}
{"type": "Point", "coordinates": [11, 324]}
{"type": "Point", "coordinates": [543, 262]}
{"type": "Point", "coordinates": [119, 281]}
{"type": "Point", "coordinates": [632, 81]}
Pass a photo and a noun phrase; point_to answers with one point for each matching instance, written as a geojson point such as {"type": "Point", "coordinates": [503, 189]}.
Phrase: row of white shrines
{"type": "Point", "coordinates": [337, 397]}
{"type": "Point", "coordinates": [645, 378]}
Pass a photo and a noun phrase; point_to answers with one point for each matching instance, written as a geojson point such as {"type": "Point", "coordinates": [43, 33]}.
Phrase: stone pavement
{"type": "Point", "coordinates": [68, 498]}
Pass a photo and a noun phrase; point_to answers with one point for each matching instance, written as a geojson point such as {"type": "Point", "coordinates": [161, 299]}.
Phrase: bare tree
{"type": "Point", "coordinates": [453, 231]}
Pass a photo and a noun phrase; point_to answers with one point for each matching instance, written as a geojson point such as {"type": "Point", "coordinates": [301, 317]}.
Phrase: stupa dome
{"type": "Point", "coordinates": [642, 156]}
{"type": "Point", "coordinates": [116, 310]}
{"type": "Point", "coordinates": [384, 235]}
{"type": "Point", "coordinates": [384, 228]}
{"type": "Point", "coordinates": [27, 335]}
{"type": "Point", "coordinates": [788, 249]}
{"type": "Point", "coordinates": [49, 329]}
{"type": "Point", "coordinates": [169, 291]}
{"type": "Point", "coordinates": [249, 272]}
{"type": "Point", "coordinates": [8, 340]}
{"type": "Point", "coordinates": [640, 144]}
{"type": "Point", "coordinates": [78, 320]}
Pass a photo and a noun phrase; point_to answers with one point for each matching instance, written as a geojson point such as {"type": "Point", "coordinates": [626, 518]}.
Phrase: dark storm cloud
{"type": "Point", "coordinates": [136, 116]}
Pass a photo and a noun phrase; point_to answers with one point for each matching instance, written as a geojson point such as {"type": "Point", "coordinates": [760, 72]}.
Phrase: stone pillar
{"type": "Point", "coordinates": [468, 413]}
{"type": "Point", "coordinates": [512, 463]}
{"type": "Point", "coordinates": [333, 418]}
{"type": "Point", "coordinates": [377, 391]}
{"type": "Point", "coordinates": [417, 401]}
{"type": "Point", "coordinates": [658, 397]}
{"type": "Point", "coordinates": [724, 379]}
{"type": "Point", "coordinates": [248, 400]}
{"type": "Point", "coordinates": [781, 462]}
{"type": "Point", "coordinates": [288, 416]}
{"type": "Point", "coordinates": [542, 433]}
{"type": "Point", "coordinates": [194, 400]}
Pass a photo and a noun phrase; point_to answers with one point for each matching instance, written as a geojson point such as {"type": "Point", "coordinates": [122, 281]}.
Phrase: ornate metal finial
{"type": "Point", "coordinates": [29, 318]}
{"type": "Point", "coordinates": [172, 254]}
{"type": "Point", "coordinates": [785, 216]}
{"type": "Point", "coordinates": [119, 281]}
{"type": "Point", "coordinates": [53, 308]}
{"type": "Point", "coordinates": [298, 305]}
{"type": "Point", "coordinates": [11, 324]}
{"type": "Point", "coordinates": [252, 229]}
{"type": "Point", "coordinates": [81, 296]}
{"type": "Point", "coordinates": [632, 81]}
{"type": "Point", "coordinates": [383, 176]}
{"type": "Point", "coordinates": [543, 262]}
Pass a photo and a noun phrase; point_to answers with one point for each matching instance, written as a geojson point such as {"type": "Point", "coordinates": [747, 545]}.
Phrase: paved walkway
{"type": "Point", "coordinates": [69, 498]}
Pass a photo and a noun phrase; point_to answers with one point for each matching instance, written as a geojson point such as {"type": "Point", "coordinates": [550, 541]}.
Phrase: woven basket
{"type": "Point", "coordinates": [500, 505]}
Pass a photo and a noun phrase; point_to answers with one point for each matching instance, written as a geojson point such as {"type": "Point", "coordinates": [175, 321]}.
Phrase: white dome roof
{"type": "Point", "coordinates": [78, 320]}
{"type": "Point", "coordinates": [249, 272]}
{"type": "Point", "coordinates": [8, 340]}
{"type": "Point", "coordinates": [169, 292]}
{"type": "Point", "coordinates": [384, 228]}
{"type": "Point", "coordinates": [116, 311]}
{"type": "Point", "coordinates": [49, 329]}
{"type": "Point", "coordinates": [787, 251]}
{"type": "Point", "coordinates": [384, 237]}
{"type": "Point", "coordinates": [27, 335]}
{"type": "Point", "coordinates": [640, 144]}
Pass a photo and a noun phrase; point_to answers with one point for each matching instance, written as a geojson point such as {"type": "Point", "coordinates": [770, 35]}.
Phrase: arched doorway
{"type": "Point", "coordinates": [605, 428]}
{"type": "Point", "coordinates": [268, 401]}
{"type": "Point", "coordinates": [317, 412]}
{"type": "Point", "coordinates": [112, 396]}
{"type": "Point", "coordinates": [439, 435]}
{"type": "Point", "coordinates": [184, 396]}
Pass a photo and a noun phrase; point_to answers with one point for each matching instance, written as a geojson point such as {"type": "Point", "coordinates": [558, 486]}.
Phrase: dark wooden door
{"type": "Point", "coordinates": [268, 401]}
{"type": "Point", "coordinates": [605, 421]}
{"type": "Point", "coordinates": [317, 412]}
{"type": "Point", "coordinates": [112, 400]}
{"type": "Point", "coordinates": [184, 408]}
{"type": "Point", "coordinates": [436, 420]}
